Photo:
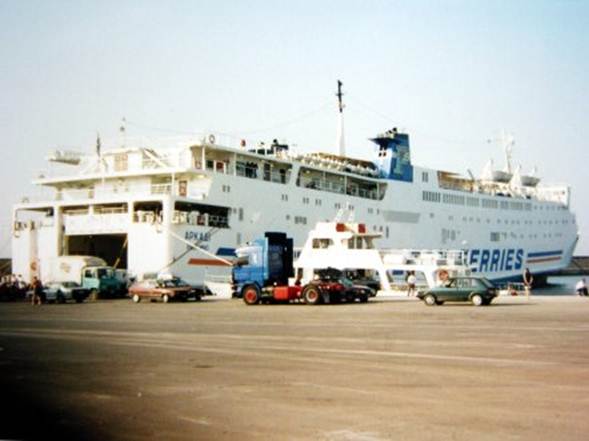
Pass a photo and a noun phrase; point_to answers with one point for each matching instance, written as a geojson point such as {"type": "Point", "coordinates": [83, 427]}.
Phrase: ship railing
{"type": "Point", "coordinates": [146, 216]}
{"type": "Point", "coordinates": [425, 257]}
{"type": "Point", "coordinates": [161, 188]}
{"type": "Point", "coordinates": [98, 194]}
{"type": "Point", "coordinates": [95, 222]}
{"type": "Point", "coordinates": [352, 189]}
{"type": "Point", "coordinates": [198, 218]}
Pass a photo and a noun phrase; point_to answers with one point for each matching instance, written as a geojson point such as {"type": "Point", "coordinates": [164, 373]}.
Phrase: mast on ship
{"type": "Point", "coordinates": [340, 134]}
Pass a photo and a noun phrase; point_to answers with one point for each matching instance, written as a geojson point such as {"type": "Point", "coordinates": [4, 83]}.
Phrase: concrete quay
{"type": "Point", "coordinates": [221, 370]}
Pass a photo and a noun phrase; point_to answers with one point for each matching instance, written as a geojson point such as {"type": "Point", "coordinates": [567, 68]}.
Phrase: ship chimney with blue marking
{"type": "Point", "coordinates": [394, 156]}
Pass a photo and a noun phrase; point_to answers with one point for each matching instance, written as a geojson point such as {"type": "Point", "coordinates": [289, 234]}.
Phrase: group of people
{"type": "Point", "coordinates": [12, 287]}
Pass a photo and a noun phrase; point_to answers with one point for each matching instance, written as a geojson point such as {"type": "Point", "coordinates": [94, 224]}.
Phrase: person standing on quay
{"type": "Point", "coordinates": [528, 281]}
{"type": "Point", "coordinates": [411, 281]}
{"type": "Point", "coordinates": [581, 288]}
{"type": "Point", "coordinates": [37, 291]}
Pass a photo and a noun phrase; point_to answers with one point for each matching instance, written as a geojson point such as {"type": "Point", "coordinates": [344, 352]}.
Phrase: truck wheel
{"type": "Point", "coordinates": [311, 295]}
{"type": "Point", "coordinates": [251, 295]}
{"type": "Point", "coordinates": [136, 298]}
{"type": "Point", "coordinates": [165, 298]}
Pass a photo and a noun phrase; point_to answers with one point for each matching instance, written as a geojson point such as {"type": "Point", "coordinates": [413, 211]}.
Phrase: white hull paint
{"type": "Point", "coordinates": [205, 194]}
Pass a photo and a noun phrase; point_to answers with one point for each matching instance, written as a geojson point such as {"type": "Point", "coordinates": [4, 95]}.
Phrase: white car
{"type": "Point", "coordinates": [61, 292]}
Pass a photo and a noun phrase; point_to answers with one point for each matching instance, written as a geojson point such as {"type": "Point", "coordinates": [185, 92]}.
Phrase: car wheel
{"type": "Point", "coordinates": [363, 298]}
{"type": "Point", "coordinates": [477, 300]}
{"type": "Point", "coordinates": [311, 295]}
{"type": "Point", "coordinates": [136, 298]}
{"type": "Point", "coordinates": [165, 298]}
{"type": "Point", "coordinates": [251, 295]}
{"type": "Point", "coordinates": [430, 300]}
{"type": "Point", "coordinates": [59, 297]}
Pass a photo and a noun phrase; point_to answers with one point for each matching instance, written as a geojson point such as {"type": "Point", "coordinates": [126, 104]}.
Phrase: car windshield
{"type": "Point", "coordinates": [346, 282]}
{"type": "Point", "coordinates": [172, 283]}
{"type": "Point", "coordinates": [486, 283]}
{"type": "Point", "coordinates": [104, 273]}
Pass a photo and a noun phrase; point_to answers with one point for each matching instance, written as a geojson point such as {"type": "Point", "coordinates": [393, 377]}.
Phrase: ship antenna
{"type": "Point", "coordinates": [508, 142]}
{"type": "Point", "coordinates": [340, 134]}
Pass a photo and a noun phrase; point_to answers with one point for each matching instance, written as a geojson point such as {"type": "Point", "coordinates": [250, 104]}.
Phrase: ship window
{"type": "Point", "coordinates": [424, 177]}
{"type": "Point", "coordinates": [199, 214]}
{"type": "Point", "coordinates": [495, 237]}
{"type": "Point", "coordinates": [322, 243]}
{"type": "Point", "coordinates": [121, 162]}
{"type": "Point", "coordinates": [355, 243]}
{"type": "Point", "coordinates": [240, 216]}
{"type": "Point", "coordinates": [431, 196]}
{"type": "Point", "coordinates": [161, 185]}
{"type": "Point", "coordinates": [148, 211]}
{"type": "Point", "coordinates": [284, 197]}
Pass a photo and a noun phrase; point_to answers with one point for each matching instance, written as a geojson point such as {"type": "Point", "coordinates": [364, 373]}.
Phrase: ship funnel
{"type": "Point", "coordinates": [394, 156]}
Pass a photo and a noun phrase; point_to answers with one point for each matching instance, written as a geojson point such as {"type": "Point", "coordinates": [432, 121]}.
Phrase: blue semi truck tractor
{"type": "Point", "coordinates": [263, 267]}
{"type": "Point", "coordinates": [262, 270]}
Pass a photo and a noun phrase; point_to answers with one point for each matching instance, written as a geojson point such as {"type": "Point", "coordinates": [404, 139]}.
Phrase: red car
{"type": "Point", "coordinates": [164, 290]}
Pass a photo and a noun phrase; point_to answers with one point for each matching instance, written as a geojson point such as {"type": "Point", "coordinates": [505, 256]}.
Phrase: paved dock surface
{"type": "Point", "coordinates": [220, 370]}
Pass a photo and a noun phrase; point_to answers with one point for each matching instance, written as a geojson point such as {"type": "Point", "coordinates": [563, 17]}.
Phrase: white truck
{"type": "Point", "coordinates": [89, 271]}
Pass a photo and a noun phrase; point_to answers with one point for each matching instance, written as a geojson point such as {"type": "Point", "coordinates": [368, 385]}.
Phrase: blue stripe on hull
{"type": "Point", "coordinates": [545, 254]}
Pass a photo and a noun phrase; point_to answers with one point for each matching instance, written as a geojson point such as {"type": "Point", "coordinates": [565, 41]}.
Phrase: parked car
{"type": "Point", "coordinates": [61, 292]}
{"type": "Point", "coordinates": [359, 278]}
{"type": "Point", "coordinates": [161, 289]}
{"type": "Point", "coordinates": [477, 290]}
{"type": "Point", "coordinates": [331, 286]}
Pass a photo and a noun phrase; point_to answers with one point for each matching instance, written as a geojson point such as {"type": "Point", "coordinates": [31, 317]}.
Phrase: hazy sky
{"type": "Point", "coordinates": [453, 73]}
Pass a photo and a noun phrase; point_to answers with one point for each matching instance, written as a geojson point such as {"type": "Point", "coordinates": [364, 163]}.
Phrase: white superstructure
{"type": "Point", "coordinates": [133, 205]}
{"type": "Point", "coordinates": [349, 247]}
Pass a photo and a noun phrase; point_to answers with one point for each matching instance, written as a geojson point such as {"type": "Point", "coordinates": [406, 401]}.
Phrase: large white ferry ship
{"type": "Point", "coordinates": [185, 209]}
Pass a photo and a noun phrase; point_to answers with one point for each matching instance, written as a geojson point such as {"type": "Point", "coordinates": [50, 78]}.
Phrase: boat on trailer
{"type": "Point", "coordinates": [350, 247]}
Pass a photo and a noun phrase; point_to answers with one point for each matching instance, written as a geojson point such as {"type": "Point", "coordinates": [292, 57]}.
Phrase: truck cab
{"type": "Point", "coordinates": [263, 262]}
{"type": "Point", "coordinates": [102, 280]}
